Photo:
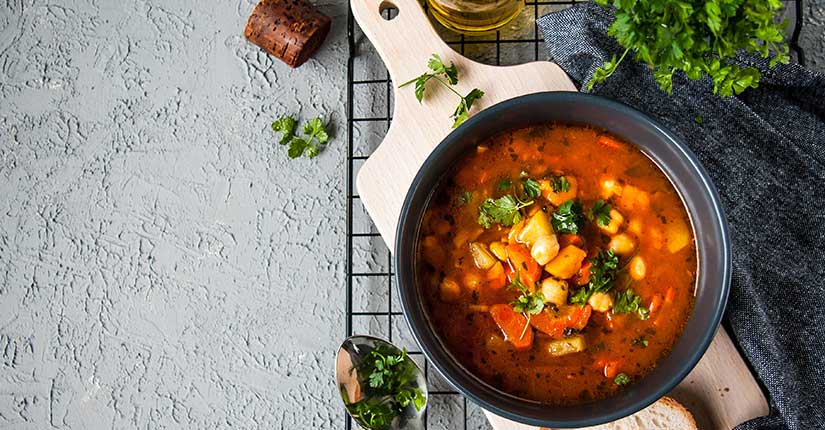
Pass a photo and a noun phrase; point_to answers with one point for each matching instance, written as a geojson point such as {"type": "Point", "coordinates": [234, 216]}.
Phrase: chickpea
{"type": "Point", "coordinates": [622, 244]}
{"type": "Point", "coordinates": [637, 268]}
{"type": "Point", "coordinates": [449, 290]}
{"type": "Point", "coordinates": [554, 291]}
{"type": "Point", "coordinates": [601, 302]}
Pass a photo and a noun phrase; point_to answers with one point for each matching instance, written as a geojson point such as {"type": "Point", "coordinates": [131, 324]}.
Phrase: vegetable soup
{"type": "Point", "coordinates": [557, 263]}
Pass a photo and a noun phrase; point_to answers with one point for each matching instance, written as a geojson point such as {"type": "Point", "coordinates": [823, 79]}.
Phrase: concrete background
{"type": "Point", "coordinates": [162, 264]}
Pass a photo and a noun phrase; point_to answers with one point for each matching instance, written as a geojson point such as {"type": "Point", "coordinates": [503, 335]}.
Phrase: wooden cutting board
{"type": "Point", "coordinates": [721, 392]}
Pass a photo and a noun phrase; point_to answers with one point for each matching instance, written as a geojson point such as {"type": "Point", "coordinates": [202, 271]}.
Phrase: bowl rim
{"type": "Point", "coordinates": [719, 223]}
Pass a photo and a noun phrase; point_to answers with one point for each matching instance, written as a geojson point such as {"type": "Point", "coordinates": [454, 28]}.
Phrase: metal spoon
{"type": "Point", "coordinates": [352, 353]}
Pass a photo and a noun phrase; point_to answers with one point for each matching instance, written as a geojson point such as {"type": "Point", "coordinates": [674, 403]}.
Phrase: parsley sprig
{"type": "Point", "coordinates": [441, 73]}
{"type": "Point", "coordinates": [697, 38]}
{"type": "Point", "coordinates": [506, 210]}
{"type": "Point", "coordinates": [560, 184]}
{"type": "Point", "coordinates": [391, 379]}
{"type": "Point", "coordinates": [312, 144]}
{"type": "Point", "coordinates": [603, 272]}
{"type": "Point", "coordinates": [528, 303]}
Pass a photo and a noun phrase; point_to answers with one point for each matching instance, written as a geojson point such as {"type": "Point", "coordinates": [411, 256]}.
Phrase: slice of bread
{"type": "Point", "coordinates": [665, 414]}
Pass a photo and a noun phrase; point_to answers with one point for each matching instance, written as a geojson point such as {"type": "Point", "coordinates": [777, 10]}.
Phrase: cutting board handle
{"type": "Point", "coordinates": [404, 42]}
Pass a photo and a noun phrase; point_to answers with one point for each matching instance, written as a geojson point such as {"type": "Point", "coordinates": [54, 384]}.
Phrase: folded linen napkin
{"type": "Point", "coordinates": [765, 151]}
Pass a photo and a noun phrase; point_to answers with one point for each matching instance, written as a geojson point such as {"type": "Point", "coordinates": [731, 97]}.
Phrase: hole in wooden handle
{"type": "Point", "coordinates": [388, 10]}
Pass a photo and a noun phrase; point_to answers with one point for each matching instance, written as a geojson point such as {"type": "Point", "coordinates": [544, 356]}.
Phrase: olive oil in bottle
{"type": "Point", "coordinates": [474, 16]}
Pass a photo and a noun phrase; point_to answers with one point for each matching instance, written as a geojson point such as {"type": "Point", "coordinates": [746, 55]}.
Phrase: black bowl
{"type": "Point", "coordinates": [686, 174]}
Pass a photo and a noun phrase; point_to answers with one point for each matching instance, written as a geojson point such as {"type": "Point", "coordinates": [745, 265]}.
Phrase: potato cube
{"type": "Point", "coordinates": [545, 249]}
{"type": "Point", "coordinates": [537, 226]}
{"type": "Point", "coordinates": [566, 263]}
{"type": "Point", "coordinates": [566, 346]}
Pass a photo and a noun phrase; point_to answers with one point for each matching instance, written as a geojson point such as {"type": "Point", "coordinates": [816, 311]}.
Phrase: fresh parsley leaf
{"type": "Point", "coordinates": [604, 269]}
{"type": "Point", "coordinates": [462, 112]}
{"type": "Point", "coordinates": [296, 147]}
{"type": "Point", "coordinates": [621, 379]}
{"type": "Point", "coordinates": [560, 184]}
{"type": "Point", "coordinates": [600, 211]}
{"type": "Point", "coordinates": [449, 73]}
{"type": "Point", "coordinates": [627, 301]}
{"type": "Point", "coordinates": [531, 188]}
{"type": "Point", "coordinates": [505, 210]}
{"type": "Point", "coordinates": [504, 185]}
{"type": "Point", "coordinates": [640, 341]}
{"type": "Point", "coordinates": [697, 39]}
{"type": "Point", "coordinates": [568, 217]}
{"type": "Point", "coordinates": [285, 125]}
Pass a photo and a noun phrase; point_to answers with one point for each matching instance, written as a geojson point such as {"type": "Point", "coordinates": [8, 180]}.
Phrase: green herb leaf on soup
{"type": "Point", "coordinates": [560, 184]}
{"type": "Point", "coordinates": [628, 301]}
{"type": "Point", "coordinates": [640, 341]}
{"type": "Point", "coordinates": [505, 210]}
{"type": "Point", "coordinates": [600, 211]}
{"type": "Point", "coordinates": [504, 185]}
{"type": "Point", "coordinates": [621, 379]}
{"type": "Point", "coordinates": [568, 218]}
{"type": "Point", "coordinates": [531, 188]}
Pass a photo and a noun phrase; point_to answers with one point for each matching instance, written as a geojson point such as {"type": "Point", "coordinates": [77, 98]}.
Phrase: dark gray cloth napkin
{"type": "Point", "coordinates": [765, 151]}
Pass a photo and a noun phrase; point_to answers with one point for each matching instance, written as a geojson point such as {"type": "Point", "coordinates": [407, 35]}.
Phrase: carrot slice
{"type": "Point", "coordinates": [610, 142]}
{"type": "Point", "coordinates": [522, 262]}
{"type": "Point", "coordinates": [655, 304]}
{"type": "Point", "coordinates": [569, 316]}
{"type": "Point", "coordinates": [496, 278]}
{"type": "Point", "coordinates": [609, 368]}
{"type": "Point", "coordinates": [583, 275]}
{"type": "Point", "coordinates": [570, 239]}
{"type": "Point", "coordinates": [512, 325]}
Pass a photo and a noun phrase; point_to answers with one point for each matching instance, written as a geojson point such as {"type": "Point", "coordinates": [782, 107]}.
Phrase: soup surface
{"type": "Point", "coordinates": [557, 263]}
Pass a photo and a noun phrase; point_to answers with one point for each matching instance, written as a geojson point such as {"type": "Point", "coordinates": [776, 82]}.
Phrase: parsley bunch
{"type": "Point", "coordinates": [603, 271]}
{"type": "Point", "coordinates": [439, 70]}
{"type": "Point", "coordinates": [316, 139]}
{"type": "Point", "coordinates": [391, 375]}
{"type": "Point", "coordinates": [697, 37]}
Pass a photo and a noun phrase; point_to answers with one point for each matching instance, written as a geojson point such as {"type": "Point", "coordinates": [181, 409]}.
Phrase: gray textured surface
{"type": "Point", "coordinates": [161, 264]}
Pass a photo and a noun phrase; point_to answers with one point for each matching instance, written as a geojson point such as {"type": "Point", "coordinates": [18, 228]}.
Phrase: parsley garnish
{"type": "Point", "coordinates": [621, 379]}
{"type": "Point", "coordinates": [560, 184]}
{"type": "Point", "coordinates": [450, 73]}
{"type": "Point", "coordinates": [527, 303]}
{"type": "Point", "coordinates": [531, 188]}
{"type": "Point", "coordinates": [601, 212]}
{"type": "Point", "coordinates": [697, 38]}
{"type": "Point", "coordinates": [568, 217]}
{"type": "Point", "coordinates": [603, 270]}
{"type": "Point", "coordinates": [627, 301]}
{"type": "Point", "coordinates": [640, 341]}
{"type": "Point", "coordinates": [505, 210]}
{"type": "Point", "coordinates": [315, 140]}
{"type": "Point", "coordinates": [504, 184]}
{"type": "Point", "coordinates": [391, 375]}
{"type": "Point", "coordinates": [463, 198]}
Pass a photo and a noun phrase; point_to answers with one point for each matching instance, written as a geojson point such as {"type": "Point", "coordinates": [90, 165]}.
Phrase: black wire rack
{"type": "Point", "coordinates": [370, 305]}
